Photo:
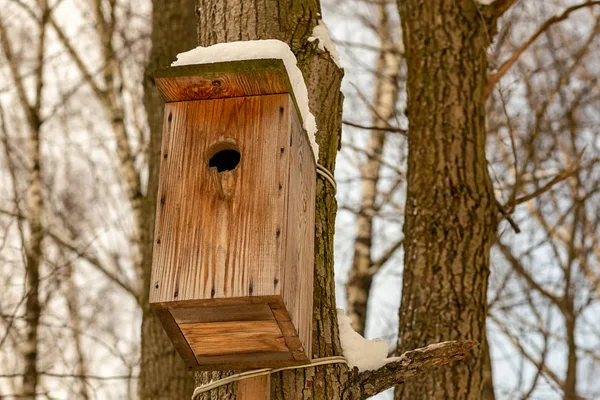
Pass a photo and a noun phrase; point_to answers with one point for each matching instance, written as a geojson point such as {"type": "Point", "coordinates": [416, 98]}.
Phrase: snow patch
{"type": "Point", "coordinates": [321, 33]}
{"type": "Point", "coordinates": [360, 352]}
{"type": "Point", "coordinates": [259, 49]}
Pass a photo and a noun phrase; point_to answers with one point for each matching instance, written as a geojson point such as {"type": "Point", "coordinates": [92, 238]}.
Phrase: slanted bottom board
{"type": "Point", "coordinates": [232, 333]}
{"type": "Point", "coordinates": [233, 337]}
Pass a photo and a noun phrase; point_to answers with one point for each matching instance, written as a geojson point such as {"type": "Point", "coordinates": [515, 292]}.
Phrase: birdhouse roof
{"type": "Point", "coordinates": [223, 79]}
{"type": "Point", "coordinates": [227, 79]}
{"type": "Point", "coordinates": [239, 69]}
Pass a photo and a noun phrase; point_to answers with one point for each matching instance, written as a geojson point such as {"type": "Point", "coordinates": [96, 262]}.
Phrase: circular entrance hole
{"type": "Point", "coordinates": [225, 160]}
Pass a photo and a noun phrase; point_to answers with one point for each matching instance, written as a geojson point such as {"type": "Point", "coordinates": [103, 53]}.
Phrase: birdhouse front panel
{"type": "Point", "coordinates": [221, 212]}
{"type": "Point", "coordinates": [234, 233]}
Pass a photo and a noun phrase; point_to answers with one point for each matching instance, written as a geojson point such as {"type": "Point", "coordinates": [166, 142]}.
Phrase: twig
{"type": "Point", "coordinates": [520, 269]}
{"type": "Point", "coordinates": [74, 376]}
{"type": "Point", "coordinates": [511, 131]}
{"type": "Point", "coordinates": [377, 264]}
{"type": "Point", "coordinates": [511, 221]}
{"type": "Point", "coordinates": [377, 128]}
{"type": "Point", "coordinates": [557, 179]}
{"type": "Point", "coordinates": [494, 78]}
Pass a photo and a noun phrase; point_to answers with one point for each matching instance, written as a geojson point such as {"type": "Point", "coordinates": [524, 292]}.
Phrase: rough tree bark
{"type": "Point", "coordinates": [363, 266]}
{"type": "Point", "coordinates": [162, 374]}
{"type": "Point", "coordinates": [451, 211]}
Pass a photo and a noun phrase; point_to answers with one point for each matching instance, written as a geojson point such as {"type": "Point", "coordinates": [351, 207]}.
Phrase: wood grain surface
{"type": "Point", "coordinates": [258, 388]}
{"type": "Point", "coordinates": [243, 234]}
{"type": "Point", "coordinates": [207, 246]}
{"type": "Point", "coordinates": [222, 338]}
{"type": "Point", "coordinates": [222, 80]}
{"type": "Point", "coordinates": [238, 312]}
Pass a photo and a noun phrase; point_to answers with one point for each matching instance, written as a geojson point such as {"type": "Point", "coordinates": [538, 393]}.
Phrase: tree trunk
{"type": "Point", "coordinates": [451, 211]}
{"type": "Point", "coordinates": [162, 375]}
{"type": "Point", "coordinates": [292, 22]}
{"type": "Point", "coordinates": [34, 201]}
{"type": "Point", "coordinates": [33, 257]}
{"type": "Point", "coordinates": [73, 305]}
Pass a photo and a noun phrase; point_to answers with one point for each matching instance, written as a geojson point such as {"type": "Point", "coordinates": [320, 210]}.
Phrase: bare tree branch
{"type": "Point", "coordinates": [518, 267]}
{"type": "Point", "coordinates": [557, 179]}
{"type": "Point", "coordinates": [494, 78]}
{"type": "Point", "coordinates": [377, 264]}
{"type": "Point", "coordinates": [388, 128]}
{"type": "Point", "coordinates": [413, 363]}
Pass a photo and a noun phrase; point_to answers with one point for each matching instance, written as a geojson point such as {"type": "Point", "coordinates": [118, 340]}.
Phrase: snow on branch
{"type": "Point", "coordinates": [377, 372]}
{"type": "Point", "coordinates": [321, 34]}
{"type": "Point", "coordinates": [361, 353]}
{"type": "Point", "coordinates": [413, 363]}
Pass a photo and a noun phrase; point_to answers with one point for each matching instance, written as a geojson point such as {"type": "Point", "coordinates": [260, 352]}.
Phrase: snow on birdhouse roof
{"type": "Point", "coordinates": [256, 50]}
{"type": "Point", "coordinates": [359, 352]}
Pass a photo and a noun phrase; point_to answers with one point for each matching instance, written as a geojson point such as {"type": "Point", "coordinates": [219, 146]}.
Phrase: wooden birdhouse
{"type": "Point", "coordinates": [232, 268]}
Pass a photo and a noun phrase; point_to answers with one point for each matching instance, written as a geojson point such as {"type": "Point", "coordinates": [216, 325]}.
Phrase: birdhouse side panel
{"type": "Point", "coordinates": [299, 250]}
{"type": "Point", "coordinates": [241, 78]}
{"type": "Point", "coordinates": [219, 218]}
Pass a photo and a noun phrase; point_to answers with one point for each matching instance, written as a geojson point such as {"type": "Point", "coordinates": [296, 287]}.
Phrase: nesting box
{"type": "Point", "coordinates": [232, 268]}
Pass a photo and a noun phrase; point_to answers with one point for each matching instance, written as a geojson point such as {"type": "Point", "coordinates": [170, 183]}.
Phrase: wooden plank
{"type": "Point", "coordinates": [241, 78]}
{"type": "Point", "coordinates": [177, 338]}
{"type": "Point", "coordinates": [293, 341]}
{"type": "Point", "coordinates": [225, 344]}
{"type": "Point", "coordinates": [267, 326]}
{"type": "Point", "coordinates": [257, 388]}
{"type": "Point", "coordinates": [237, 312]}
{"type": "Point", "coordinates": [216, 302]}
{"type": "Point", "coordinates": [223, 80]}
{"type": "Point", "coordinates": [235, 329]}
{"type": "Point", "coordinates": [221, 338]}
{"type": "Point", "coordinates": [246, 361]}
{"type": "Point", "coordinates": [207, 246]}
{"type": "Point", "coordinates": [298, 265]}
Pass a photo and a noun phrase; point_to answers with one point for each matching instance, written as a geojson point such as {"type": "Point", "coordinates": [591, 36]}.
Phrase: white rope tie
{"type": "Point", "coordinates": [265, 371]}
{"type": "Point", "coordinates": [324, 172]}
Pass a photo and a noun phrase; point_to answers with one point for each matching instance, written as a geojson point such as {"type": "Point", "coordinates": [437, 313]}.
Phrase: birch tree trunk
{"type": "Point", "coordinates": [34, 202]}
{"type": "Point", "coordinates": [363, 266]}
{"type": "Point", "coordinates": [162, 375]}
{"type": "Point", "coordinates": [73, 305]}
{"type": "Point", "coordinates": [33, 257]}
{"type": "Point", "coordinates": [451, 211]}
